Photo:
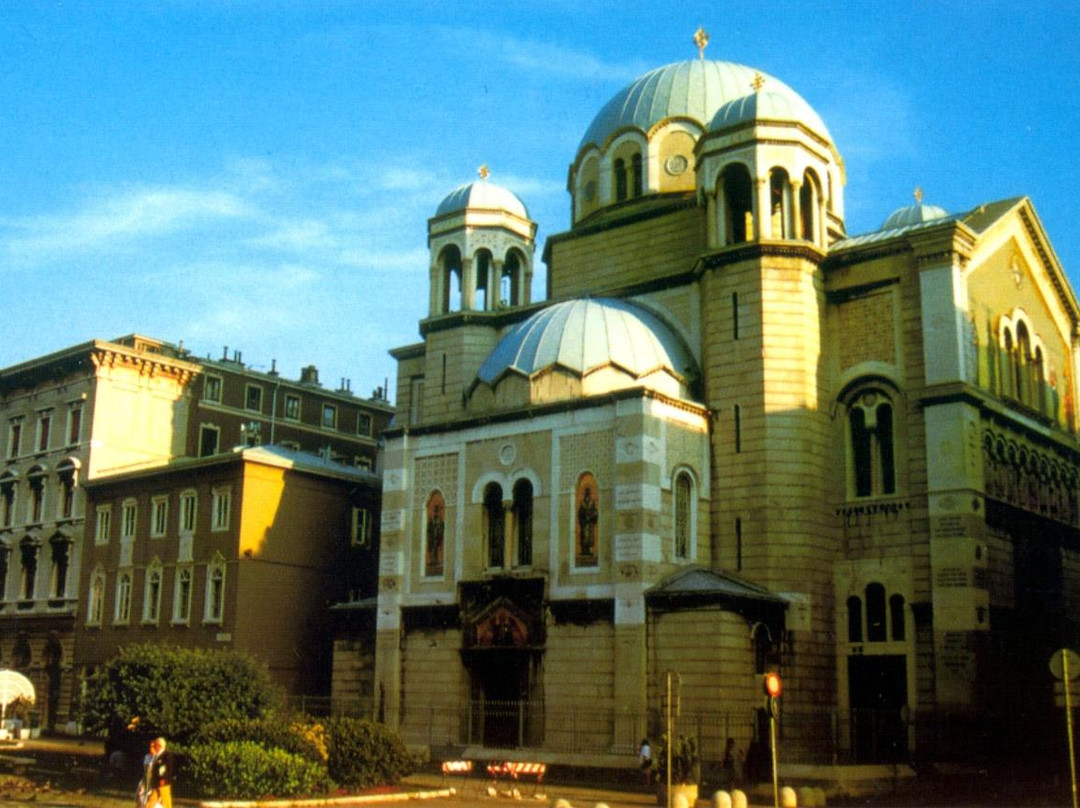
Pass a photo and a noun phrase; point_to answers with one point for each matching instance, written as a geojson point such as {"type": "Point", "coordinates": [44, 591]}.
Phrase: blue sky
{"type": "Point", "coordinates": [260, 174]}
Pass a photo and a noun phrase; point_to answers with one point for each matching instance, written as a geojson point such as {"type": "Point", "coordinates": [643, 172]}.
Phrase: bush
{"type": "Point", "coordinates": [302, 740]}
{"type": "Point", "coordinates": [175, 690]}
{"type": "Point", "coordinates": [245, 770]}
{"type": "Point", "coordinates": [685, 763]}
{"type": "Point", "coordinates": [362, 753]}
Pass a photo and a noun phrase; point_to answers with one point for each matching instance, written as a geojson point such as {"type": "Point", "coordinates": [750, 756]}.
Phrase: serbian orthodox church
{"type": "Point", "coordinates": [733, 438]}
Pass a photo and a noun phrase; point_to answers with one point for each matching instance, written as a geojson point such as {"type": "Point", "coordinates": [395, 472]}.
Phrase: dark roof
{"type": "Point", "coordinates": [705, 585]}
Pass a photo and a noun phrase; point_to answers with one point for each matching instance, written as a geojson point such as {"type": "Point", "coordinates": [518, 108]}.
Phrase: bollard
{"type": "Point", "coordinates": [721, 799]}
{"type": "Point", "coordinates": [806, 797]}
{"type": "Point", "coordinates": [561, 803]}
{"type": "Point", "coordinates": [787, 798]}
{"type": "Point", "coordinates": [680, 801]}
{"type": "Point", "coordinates": [738, 799]}
{"type": "Point", "coordinates": [601, 805]}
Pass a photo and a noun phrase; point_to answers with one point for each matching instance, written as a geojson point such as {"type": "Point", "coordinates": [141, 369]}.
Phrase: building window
{"type": "Point", "coordinates": [222, 503]}
{"type": "Point", "coordinates": [29, 552]}
{"type": "Point", "coordinates": [95, 603]}
{"type": "Point", "coordinates": [74, 424]}
{"type": "Point", "coordinates": [880, 617]}
{"type": "Point", "coordinates": [684, 521]}
{"type": "Point", "coordinates": [363, 424]}
{"type": "Point", "coordinates": [14, 437]}
{"type": "Point", "coordinates": [5, 555]}
{"type": "Point", "coordinates": [128, 515]}
{"type": "Point", "coordinates": [65, 473]}
{"type": "Point", "coordinates": [854, 614]}
{"type": "Point", "coordinates": [152, 593]}
{"type": "Point", "coordinates": [435, 534]}
{"type": "Point", "coordinates": [587, 521]}
{"type": "Point", "coordinates": [209, 440]}
{"type": "Point", "coordinates": [896, 617]}
{"type": "Point", "coordinates": [292, 407]}
{"type": "Point", "coordinates": [188, 505]}
{"type": "Point", "coordinates": [212, 389]}
{"type": "Point", "coordinates": [36, 481]}
{"type": "Point", "coordinates": [361, 528]}
{"type": "Point", "coordinates": [523, 522]}
{"type": "Point", "coordinates": [416, 399]}
{"type": "Point", "coordinates": [182, 596]}
{"type": "Point", "coordinates": [253, 398]}
{"type": "Point", "coordinates": [637, 176]}
{"type": "Point", "coordinates": [122, 613]}
{"type": "Point", "coordinates": [44, 427]}
{"type": "Point", "coordinates": [873, 465]}
{"type": "Point", "coordinates": [215, 590]}
{"type": "Point", "coordinates": [103, 524]}
{"type": "Point", "coordinates": [329, 416]}
{"type": "Point", "coordinates": [159, 516]}
{"type": "Point", "coordinates": [363, 462]}
{"type": "Point", "coordinates": [7, 500]}
{"type": "Point", "coordinates": [875, 613]}
{"type": "Point", "coordinates": [495, 526]}
{"type": "Point", "coordinates": [61, 562]}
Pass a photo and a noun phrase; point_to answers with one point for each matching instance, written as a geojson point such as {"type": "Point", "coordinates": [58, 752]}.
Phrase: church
{"type": "Point", "coordinates": [732, 438]}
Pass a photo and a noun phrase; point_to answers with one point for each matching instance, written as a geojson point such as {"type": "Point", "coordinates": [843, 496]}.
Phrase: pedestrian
{"type": "Point", "coordinates": [729, 766]}
{"type": "Point", "coordinates": [645, 757]}
{"type": "Point", "coordinates": [155, 788]}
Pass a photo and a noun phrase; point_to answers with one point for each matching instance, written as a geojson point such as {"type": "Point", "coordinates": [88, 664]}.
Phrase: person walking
{"type": "Point", "coordinates": [645, 758]}
{"type": "Point", "coordinates": [155, 788]}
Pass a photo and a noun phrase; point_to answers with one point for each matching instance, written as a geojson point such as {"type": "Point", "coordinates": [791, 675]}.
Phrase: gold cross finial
{"type": "Point", "coordinates": [918, 195]}
{"type": "Point", "coordinates": [483, 171]}
{"type": "Point", "coordinates": [701, 39]}
{"type": "Point", "coordinates": [758, 82]}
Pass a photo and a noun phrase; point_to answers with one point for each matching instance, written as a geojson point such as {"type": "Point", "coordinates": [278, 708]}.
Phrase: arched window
{"type": "Point", "coordinates": [587, 521]}
{"type": "Point", "coordinates": [21, 656]}
{"type": "Point", "coordinates": [1020, 363]}
{"type": "Point", "coordinates": [736, 192]}
{"type": "Point", "coordinates": [873, 462]}
{"type": "Point", "coordinates": [5, 555]}
{"type": "Point", "coordinates": [66, 476]}
{"type": "Point", "coordinates": [61, 562]}
{"type": "Point", "coordinates": [450, 279]}
{"type": "Point", "coordinates": [28, 550]}
{"type": "Point", "coordinates": [619, 170]}
{"type": "Point", "coordinates": [854, 619]}
{"type": "Point", "coordinates": [637, 178]}
{"type": "Point", "coordinates": [182, 596]}
{"type": "Point", "coordinates": [95, 603]}
{"type": "Point", "coordinates": [214, 611]}
{"type": "Point", "coordinates": [512, 284]}
{"type": "Point", "coordinates": [7, 500]}
{"type": "Point", "coordinates": [495, 526]}
{"type": "Point", "coordinates": [485, 297]}
{"type": "Point", "coordinates": [779, 204]}
{"type": "Point", "coordinates": [875, 613]}
{"type": "Point", "coordinates": [684, 522]}
{"type": "Point", "coordinates": [896, 615]}
{"type": "Point", "coordinates": [434, 534]}
{"type": "Point", "coordinates": [808, 206]}
{"type": "Point", "coordinates": [35, 479]}
{"type": "Point", "coordinates": [122, 612]}
{"type": "Point", "coordinates": [152, 593]}
{"type": "Point", "coordinates": [523, 521]}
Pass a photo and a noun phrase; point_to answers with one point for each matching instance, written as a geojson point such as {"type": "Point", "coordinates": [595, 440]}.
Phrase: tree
{"type": "Point", "coordinates": [174, 691]}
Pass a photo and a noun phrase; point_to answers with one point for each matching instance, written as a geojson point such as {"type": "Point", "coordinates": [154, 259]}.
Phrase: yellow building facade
{"type": "Point", "coordinates": [734, 439]}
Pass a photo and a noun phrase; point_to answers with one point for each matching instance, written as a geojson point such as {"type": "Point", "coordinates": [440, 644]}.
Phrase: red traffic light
{"type": "Point", "coordinates": [773, 685]}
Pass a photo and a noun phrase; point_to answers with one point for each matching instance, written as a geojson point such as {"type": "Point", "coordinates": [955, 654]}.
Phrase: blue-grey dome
{"type": "Point", "coordinates": [695, 89]}
{"type": "Point", "coordinates": [586, 335]}
{"type": "Point", "coordinates": [482, 195]}
{"type": "Point", "coordinates": [769, 104]}
{"type": "Point", "coordinates": [913, 214]}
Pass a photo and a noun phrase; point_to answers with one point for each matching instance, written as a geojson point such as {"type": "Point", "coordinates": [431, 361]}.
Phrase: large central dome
{"type": "Point", "coordinates": [694, 89]}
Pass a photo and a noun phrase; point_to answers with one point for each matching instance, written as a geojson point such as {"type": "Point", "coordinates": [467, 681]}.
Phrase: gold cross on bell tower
{"type": "Point", "coordinates": [483, 171]}
{"type": "Point", "coordinates": [701, 39]}
{"type": "Point", "coordinates": [758, 82]}
{"type": "Point", "coordinates": [918, 195]}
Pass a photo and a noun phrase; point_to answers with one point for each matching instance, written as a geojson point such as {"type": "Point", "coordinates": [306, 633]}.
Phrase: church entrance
{"type": "Point", "coordinates": [503, 653]}
{"type": "Point", "coordinates": [878, 693]}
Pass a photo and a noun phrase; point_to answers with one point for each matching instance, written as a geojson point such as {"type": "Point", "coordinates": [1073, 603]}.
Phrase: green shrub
{"type": "Point", "coordinates": [245, 770]}
{"type": "Point", "coordinates": [362, 753]}
{"type": "Point", "coordinates": [269, 733]}
{"type": "Point", "coordinates": [175, 690]}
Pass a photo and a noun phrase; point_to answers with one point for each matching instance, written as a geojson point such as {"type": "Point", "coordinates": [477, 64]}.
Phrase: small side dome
{"type": "Point", "coordinates": [592, 345]}
{"type": "Point", "coordinates": [913, 214]}
{"type": "Point", "coordinates": [482, 195]}
{"type": "Point", "coordinates": [781, 105]}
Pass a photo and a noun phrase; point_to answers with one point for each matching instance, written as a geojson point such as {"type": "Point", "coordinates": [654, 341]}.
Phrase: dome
{"type": "Point", "coordinates": [582, 336]}
{"type": "Point", "coordinates": [769, 104]}
{"type": "Point", "coordinates": [913, 214]}
{"type": "Point", "coordinates": [694, 89]}
{"type": "Point", "coordinates": [482, 195]}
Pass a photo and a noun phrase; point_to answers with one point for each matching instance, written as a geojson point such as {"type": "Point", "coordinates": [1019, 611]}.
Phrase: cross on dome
{"type": "Point", "coordinates": [701, 39]}
{"type": "Point", "coordinates": [483, 171]}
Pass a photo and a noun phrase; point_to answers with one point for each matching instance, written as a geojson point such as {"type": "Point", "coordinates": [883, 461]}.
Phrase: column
{"type": "Point", "coordinates": [468, 284]}
{"type": "Point", "coordinates": [762, 212]}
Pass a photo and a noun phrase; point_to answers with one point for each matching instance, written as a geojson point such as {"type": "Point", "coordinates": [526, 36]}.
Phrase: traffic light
{"type": "Point", "coordinates": [773, 687]}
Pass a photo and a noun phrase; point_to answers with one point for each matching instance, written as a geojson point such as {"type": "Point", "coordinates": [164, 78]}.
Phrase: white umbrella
{"type": "Point", "coordinates": [14, 686]}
